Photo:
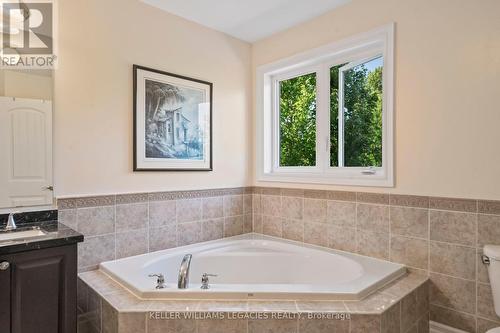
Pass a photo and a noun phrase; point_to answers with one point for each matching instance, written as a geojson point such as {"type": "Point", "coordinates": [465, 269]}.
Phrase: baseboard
{"type": "Point", "coordinates": [441, 328]}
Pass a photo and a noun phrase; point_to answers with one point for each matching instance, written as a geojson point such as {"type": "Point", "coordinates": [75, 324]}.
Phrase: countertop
{"type": "Point", "coordinates": [57, 233]}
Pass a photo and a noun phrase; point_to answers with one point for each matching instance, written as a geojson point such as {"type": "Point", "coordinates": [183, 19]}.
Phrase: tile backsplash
{"type": "Point", "coordinates": [119, 226]}
{"type": "Point", "coordinates": [439, 237]}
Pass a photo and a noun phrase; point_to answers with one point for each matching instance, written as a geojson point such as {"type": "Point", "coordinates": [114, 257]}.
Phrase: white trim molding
{"type": "Point", "coordinates": [353, 50]}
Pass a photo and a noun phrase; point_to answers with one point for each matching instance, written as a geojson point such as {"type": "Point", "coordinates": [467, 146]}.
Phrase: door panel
{"type": "Point", "coordinates": [26, 152]}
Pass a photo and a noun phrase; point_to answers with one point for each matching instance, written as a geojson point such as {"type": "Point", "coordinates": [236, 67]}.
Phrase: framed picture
{"type": "Point", "coordinates": [172, 122]}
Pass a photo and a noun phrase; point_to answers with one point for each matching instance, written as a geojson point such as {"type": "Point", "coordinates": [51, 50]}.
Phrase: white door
{"type": "Point", "coordinates": [25, 152]}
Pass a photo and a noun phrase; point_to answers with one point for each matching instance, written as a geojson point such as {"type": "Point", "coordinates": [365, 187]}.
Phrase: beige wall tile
{"type": "Point", "coordinates": [271, 205]}
{"type": "Point", "coordinates": [96, 250]}
{"type": "Point", "coordinates": [131, 243]}
{"type": "Point", "coordinates": [94, 221]}
{"type": "Point", "coordinates": [247, 204]}
{"type": "Point", "coordinates": [409, 201]}
{"type": "Point", "coordinates": [131, 216]}
{"type": "Point", "coordinates": [132, 322]}
{"type": "Point", "coordinates": [272, 326]}
{"type": "Point", "coordinates": [162, 213]}
{"type": "Point", "coordinates": [102, 200]}
{"type": "Point", "coordinates": [323, 325]}
{"type": "Point", "coordinates": [315, 233]}
{"type": "Point", "coordinates": [373, 217]}
{"type": "Point", "coordinates": [454, 260]}
{"type": "Point", "coordinates": [233, 226]}
{"type": "Point", "coordinates": [488, 230]}
{"type": "Point", "coordinates": [272, 226]}
{"type": "Point", "coordinates": [131, 198]}
{"type": "Point", "coordinates": [489, 207]}
{"type": "Point", "coordinates": [271, 191]}
{"type": "Point", "coordinates": [391, 319]}
{"type": "Point", "coordinates": [407, 221]}
{"type": "Point", "coordinates": [314, 210]}
{"type": "Point", "coordinates": [374, 198]}
{"type": "Point", "coordinates": [171, 325]}
{"type": "Point", "coordinates": [372, 244]}
{"type": "Point", "coordinates": [257, 224]}
{"type": "Point", "coordinates": [485, 307]}
{"type": "Point", "coordinates": [188, 233]}
{"type": "Point", "coordinates": [452, 318]}
{"type": "Point", "coordinates": [365, 323]}
{"type": "Point", "coordinates": [68, 218]}
{"type": "Point", "coordinates": [459, 205]}
{"type": "Point", "coordinates": [221, 325]}
{"type": "Point", "coordinates": [247, 223]}
{"type": "Point", "coordinates": [414, 306]}
{"type": "Point", "coordinates": [457, 294]}
{"type": "Point", "coordinates": [341, 213]}
{"type": "Point", "coordinates": [293, 230]}
{"type": "Point", "coordinates": [292, 207]}
{"type": "Point", "coordinates": [109, 318]}
{"type": "Point", "coordinates": [409, 251]}
{"type": "Point", "coordinates": [342, 238]}
{"type": "Point", "coordinates": [484, 325]}
{"type": "Point", "coordinates": [233, 205]}
{"type": "Point", "coordinates": [212, 208]}
{"type": "Point", "coordinates": [292, 192]}
{"type": "Point", "coordinates": [257, 206]}
{"type": "Point", "coordinates": [212, 229]}
{"type": "Point", "coordinates": [162, 238]}
{"type": "Point", "coordinates": [453, 227]}
{"type": "Point", "coordinates": [341, 196]}
{"type": "Point", "coordinates": [315, 194]}
{"type": "Point", "coordinates": [188, 210]}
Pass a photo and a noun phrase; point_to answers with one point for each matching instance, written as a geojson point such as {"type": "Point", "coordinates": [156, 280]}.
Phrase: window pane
{"type": "Point", "coordinates": [334, 115]}
{"type": "Point", "coordinates": [362, 114]}
{"type": "Point", "coordinates": [298, 121]}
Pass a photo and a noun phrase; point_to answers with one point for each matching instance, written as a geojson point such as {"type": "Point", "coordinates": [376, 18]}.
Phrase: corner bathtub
{"type": "Point", "coordinates": [255, 267]}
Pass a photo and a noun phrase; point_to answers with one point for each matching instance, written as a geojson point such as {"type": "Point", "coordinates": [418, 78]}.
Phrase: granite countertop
{"type": "Point", "coordinates": [57, 234]}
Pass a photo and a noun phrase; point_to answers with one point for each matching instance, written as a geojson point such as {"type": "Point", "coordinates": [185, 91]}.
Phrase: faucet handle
{"type": "Point", "coordinates": [205, 281]}
{"type": "Point", "coordinates": [160, 280]}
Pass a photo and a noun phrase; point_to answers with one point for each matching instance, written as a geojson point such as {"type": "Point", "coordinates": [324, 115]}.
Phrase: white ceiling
{"type": "Point", "coordinates": [249, 20]}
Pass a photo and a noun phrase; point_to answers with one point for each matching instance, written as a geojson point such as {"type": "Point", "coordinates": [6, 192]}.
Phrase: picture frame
{"type": "Point", "coordinates": [172, 121]}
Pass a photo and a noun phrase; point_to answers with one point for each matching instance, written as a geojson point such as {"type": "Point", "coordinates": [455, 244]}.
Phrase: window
{"type": "Point", "coordinates": [326, 115]}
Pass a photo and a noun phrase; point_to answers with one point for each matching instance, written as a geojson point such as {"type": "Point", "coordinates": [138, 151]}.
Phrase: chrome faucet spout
{"type": "Point", "coordinates": [11, 224]}
{"type": "Point", "coordinates": [183, 281]}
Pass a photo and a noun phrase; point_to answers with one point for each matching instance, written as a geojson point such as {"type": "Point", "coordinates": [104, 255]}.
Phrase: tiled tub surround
{"type": "Point", "coordinates": [400, 307]}
{"type": "Point", "coordinates": [439, 237]}
{"type": "Point", "coordinates": [119, 226]}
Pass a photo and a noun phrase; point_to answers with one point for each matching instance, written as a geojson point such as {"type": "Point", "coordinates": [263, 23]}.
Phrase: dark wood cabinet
{"type": "Point", "coordinates": [38, 291]}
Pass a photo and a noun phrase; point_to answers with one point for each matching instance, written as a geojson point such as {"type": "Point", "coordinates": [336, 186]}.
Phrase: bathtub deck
{"type": "Point", "coordinates": [401, 306]}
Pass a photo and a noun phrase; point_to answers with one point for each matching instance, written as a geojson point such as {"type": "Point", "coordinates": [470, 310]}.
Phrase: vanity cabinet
{"type": "Point", "coordinates": [38, 291]}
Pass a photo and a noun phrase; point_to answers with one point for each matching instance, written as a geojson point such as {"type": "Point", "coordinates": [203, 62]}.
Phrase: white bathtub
{"type": "Point", "coordinates": [256, 267]}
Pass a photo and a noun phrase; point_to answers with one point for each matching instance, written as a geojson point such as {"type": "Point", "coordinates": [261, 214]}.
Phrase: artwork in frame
{"type": "Point", "coordinates": [172, 122]}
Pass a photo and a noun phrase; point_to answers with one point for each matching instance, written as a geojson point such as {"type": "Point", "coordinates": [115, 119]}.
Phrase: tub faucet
{"type": "Point", "coordinates": [183, 281]}
{"type": "Point", "coordinates": [11, 224]}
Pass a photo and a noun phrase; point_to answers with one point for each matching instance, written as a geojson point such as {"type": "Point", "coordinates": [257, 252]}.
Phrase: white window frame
{"type": "Point", "coordinates": [355, 50]}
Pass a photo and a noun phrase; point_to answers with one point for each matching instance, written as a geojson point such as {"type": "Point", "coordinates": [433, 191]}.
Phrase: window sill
{"type": "Point", "coordinates": [361, 180]}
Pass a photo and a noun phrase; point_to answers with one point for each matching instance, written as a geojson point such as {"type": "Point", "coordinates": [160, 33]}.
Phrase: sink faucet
{"type": "Point", "coordinates": [183, 281]}
{"type": "Point", "coordinates": [11, 224]}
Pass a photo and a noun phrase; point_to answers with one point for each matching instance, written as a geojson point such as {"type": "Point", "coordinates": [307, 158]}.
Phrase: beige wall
{"type": "Point", "coordinates": [99, 43]}
{"type": "Point", "coordinates": [447, 88]}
